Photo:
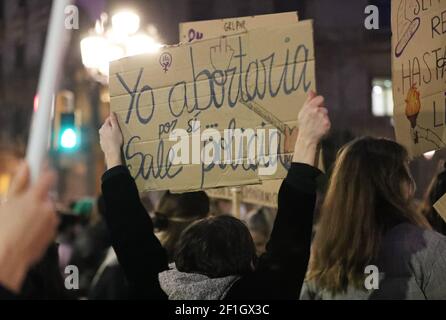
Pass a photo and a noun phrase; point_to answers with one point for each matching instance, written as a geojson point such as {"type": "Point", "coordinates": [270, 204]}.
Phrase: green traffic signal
{"type": "Point", "coordinates": [68, 135]}
{"type": "Point", "coordinates": [68, 139]}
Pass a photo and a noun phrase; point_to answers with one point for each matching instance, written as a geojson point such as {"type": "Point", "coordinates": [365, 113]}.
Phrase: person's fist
{"type": "Point", "coordinates": [28, 224]}
{"type": "Point", "coordinates": [313, 121]}
{"type": "Point", "coordinates": [111, 141]}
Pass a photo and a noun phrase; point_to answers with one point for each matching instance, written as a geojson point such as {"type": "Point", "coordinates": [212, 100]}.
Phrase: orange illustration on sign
{"type": "Point", "coordinates": [413, 106]}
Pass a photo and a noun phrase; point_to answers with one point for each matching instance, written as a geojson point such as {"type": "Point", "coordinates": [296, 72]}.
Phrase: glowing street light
{"type": "Point", "coordinates": [125, 22]}
{"type": "Point", "coordinates": [121, 40]}
{"type": "Point", "coordinates": [141, 43]}
{"type": "Point", "coordinates": [93, 50]}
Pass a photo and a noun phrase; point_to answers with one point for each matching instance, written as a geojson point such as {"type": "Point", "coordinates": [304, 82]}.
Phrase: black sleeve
{"type": "Point", "coordinates": [138, 250]}
{"type": "Point", "coordinates": [281, 269]}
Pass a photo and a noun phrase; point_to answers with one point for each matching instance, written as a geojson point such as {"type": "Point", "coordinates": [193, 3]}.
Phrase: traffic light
{"type": "Point", "coordinates": [66, 133]}
{"type": "Point", "coordinates": [68, 137]}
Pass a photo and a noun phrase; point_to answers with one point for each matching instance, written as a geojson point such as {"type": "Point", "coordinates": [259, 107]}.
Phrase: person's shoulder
{"type": "Point", "coordinates": [410, 232]}
{"type": "Point", "coordinates": [413, 240]}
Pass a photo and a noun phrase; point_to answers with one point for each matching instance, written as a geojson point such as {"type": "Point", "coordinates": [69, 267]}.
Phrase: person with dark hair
{"type": "Point", "coordinates": [175, 213]}
{"type": "Point", "coordinates": [212, 254]}
{"type": "Point", "coordinates": [216, 257]}
{"type": "Point", "coordinates": [260, 229]}
{"type": "Point", "coordinates": [368, 220]}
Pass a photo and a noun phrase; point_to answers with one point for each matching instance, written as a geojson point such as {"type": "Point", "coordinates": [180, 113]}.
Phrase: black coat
{"type": "Point", "coordinates": [280, 271]}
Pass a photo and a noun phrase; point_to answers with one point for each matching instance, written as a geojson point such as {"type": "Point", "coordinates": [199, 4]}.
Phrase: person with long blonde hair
{"type": "Point", "coordinates": [367, 219]}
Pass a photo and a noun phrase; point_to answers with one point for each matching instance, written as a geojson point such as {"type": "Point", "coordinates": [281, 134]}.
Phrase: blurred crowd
{"type": "Point", "coordinates": [328, 227]}
{"type": "Point", "coordinates": [84, 242]}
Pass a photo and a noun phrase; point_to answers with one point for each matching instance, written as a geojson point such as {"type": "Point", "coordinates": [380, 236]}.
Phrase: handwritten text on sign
{"type": "Point", "coordinates": [198, 30]}
{"type": "Point", "coordinates": [248, 82]}
{"type": "Point", "coordinates": [419, 73]}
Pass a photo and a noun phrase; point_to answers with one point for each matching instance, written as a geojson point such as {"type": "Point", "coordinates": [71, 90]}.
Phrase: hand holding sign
{"type": "Point", "coordinates": [246, 87]}
{"type": "Point", "coordinates": [111, 141]}
{"type": "Point", "coordinates": [313, 124]}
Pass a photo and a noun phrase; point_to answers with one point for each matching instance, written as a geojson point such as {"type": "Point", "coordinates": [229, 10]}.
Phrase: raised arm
{"type": "Point", "coordinates": [281, 270]}
{"type": "Point", "coordinates": [138, 250]}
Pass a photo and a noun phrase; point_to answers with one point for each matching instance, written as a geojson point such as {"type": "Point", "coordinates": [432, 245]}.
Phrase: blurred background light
{"type": "Point", "coordinates": [68, 139]}
{"type": "Point", "coordinates": [429, 155]}
{"type": "Point", "coordinates": [141, 43]}
{"type": "Point", "coordinates": [36, 103]}
{"type": "Point", "coordinates": [382, 97]}
{"type": "Point", "coordinates": [123, 38]}
{"type": "Point", "coordinates": [93, 49]}
{"type": "Point", "coordinates": [125, 22]}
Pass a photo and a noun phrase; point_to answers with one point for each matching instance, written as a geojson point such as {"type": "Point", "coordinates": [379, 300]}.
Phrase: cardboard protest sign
{"type": "Point", "coordinates": [264, 194]}
{"type": "Point", "coordinates": [199, 30]}
{"type": "Point", "coordinates": [419, 74]}
{"type": "Point", "coordinates": [213, 113]}
{"type": "Point", "coordinates": [440, 207]}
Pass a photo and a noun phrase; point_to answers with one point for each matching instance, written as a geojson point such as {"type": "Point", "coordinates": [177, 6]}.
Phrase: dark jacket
{"type": "Point", "coordinates": [280, 271]}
